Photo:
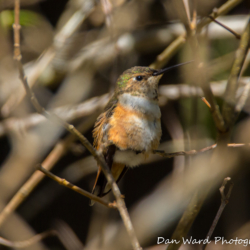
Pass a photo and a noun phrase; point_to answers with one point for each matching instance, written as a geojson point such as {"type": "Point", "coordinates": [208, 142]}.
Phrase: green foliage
{"type": "Point", "coordinates": [27, 18]}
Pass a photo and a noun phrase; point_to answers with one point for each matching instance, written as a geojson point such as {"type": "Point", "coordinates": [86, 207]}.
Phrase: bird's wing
{"type": "Point", "coordinates": [101, 129]}
{"type": "Point", "coordinates": [101, 187]}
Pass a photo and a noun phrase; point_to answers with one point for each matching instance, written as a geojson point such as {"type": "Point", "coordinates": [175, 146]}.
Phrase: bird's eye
{"type": "Point", "coordinates": [138, 78]}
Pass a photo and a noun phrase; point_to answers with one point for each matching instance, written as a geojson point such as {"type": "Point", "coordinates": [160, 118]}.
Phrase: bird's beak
{"type": "Point", "coordinates": [162, 71]}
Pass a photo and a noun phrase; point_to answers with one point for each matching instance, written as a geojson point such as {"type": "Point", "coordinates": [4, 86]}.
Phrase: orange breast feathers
{"type": "Point", "coordinates": [131, 129]}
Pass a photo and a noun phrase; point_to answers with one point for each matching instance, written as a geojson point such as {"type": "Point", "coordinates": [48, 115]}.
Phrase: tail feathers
{"type": "Point", "coordinates": [100, 183]}
{"type": "Point", "coordinates": [101, 187]}
{"type": "Point", "coordinates": [96, 192]}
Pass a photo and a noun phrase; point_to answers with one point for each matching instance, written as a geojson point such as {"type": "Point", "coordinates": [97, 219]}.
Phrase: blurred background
{"type": "Point", "coordinates": [73, 51]}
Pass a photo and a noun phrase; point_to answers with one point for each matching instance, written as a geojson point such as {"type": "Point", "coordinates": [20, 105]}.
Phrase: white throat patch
{"type": "Point", "coordinates": [141, 104]}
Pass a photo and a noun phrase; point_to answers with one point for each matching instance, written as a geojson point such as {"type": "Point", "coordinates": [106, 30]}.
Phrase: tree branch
{"type": "Point", "coordinates": [224, 202]}
{"type": "Point", "coordinates": [228, 110]}
{"type": "Point", "coordinates": [69, 185]}
{"type": "Point", "coordinates": [54, 118]}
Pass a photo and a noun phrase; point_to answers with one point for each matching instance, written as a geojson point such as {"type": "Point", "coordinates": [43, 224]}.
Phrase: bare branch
{"type": "Point", "coordinates": [99, 158]}
{"type": "Point", "coordinates": [79, 190]}
{"type": "Point", "coordinates": [225, 8]}
{"type": "Point", "coordinates": [224, 202]}
{"type": "Point", "coordinates": [69, 113]}
{"type": "Point", "coordinates": [233, 82]}
{"type": "Point", "coordinates": [191, 152]}
{"type": "Point", "coordinates": [57, 152]}
{"type": "Point", "coordinates": [195, 152]}
{"type": "Point", "coordinates": [238, 36]}
{"type": "Point", "coordinates": [188, 218]}
{"type": "Point", "coordinates": [60, 38]}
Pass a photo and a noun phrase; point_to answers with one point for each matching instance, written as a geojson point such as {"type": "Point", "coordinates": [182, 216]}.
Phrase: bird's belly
{"type": "Point", "coordinates": [129, 157]}
{"type": "Point", "coordinates": [149, 133]}
{"type": "Point", "coordinates": [133, 130]}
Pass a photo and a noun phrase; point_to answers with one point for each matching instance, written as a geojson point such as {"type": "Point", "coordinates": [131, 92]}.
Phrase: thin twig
{"type": "Point", "coordinates": [225, 8]}
{"type": "Point", "coordinates": [224, 202]}
{"type": "Point", "coordinates": [16, 28]}
{"type": "Point", "coordinates": [195, 152]}
{"type": "Point", "coordinates": [228, 110]}
{"type": "Point", "coordinates": [238, 36]}
{"type": "Point", "coordinates": [69, 185]}
{"type": "Point", "coordinates": [69, 113]}
{"type": "Point", "coordinates": [69, 127]}
{"type": "Point", "coordinates": [57, 152]}
{"type": "Point", "coordinates": [163, 58]}
{"type": "Point", "coordinates": [198, 199]}
{"type": "Point", "coordinates": [206, 102]}
{"type": "Point", "coordinates": [67, 31]}
{"type": "Point", "coordinates": [201, 77]}
{"type": "Point", "coordinates": [98, 157]}
{"type": "Point", "coordinates": [29, 242]}
{"type": "Point", "coordinates": [191, 152]}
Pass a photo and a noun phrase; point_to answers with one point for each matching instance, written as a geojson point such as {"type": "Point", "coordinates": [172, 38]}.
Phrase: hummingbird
{"type": "Point", "coordinates": [129, 129]}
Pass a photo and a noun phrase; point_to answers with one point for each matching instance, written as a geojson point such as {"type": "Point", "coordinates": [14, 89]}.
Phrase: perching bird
{"type": "Point", "coordinates": [129, 129]}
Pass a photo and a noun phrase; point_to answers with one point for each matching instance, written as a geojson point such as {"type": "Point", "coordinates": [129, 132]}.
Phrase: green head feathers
{"type": "Point", "coordinates": [130, 73]}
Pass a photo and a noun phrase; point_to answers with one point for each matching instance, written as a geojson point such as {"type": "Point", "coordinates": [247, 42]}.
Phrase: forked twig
{"type": "Point", "coordinates": [54, 118]}
{"type": "Point", "coordinates": [225, 8]}
{"type": "Point", "coordinates": [224, 202]}
{"type": "Point", "coordinates": [69, 185]}
{"type": "Point", "coordinates": [238, 36]}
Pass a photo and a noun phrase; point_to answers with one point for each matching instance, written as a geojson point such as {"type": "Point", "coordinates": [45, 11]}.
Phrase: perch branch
{"type": "Point", "coordinates": [195, 152]}
{"type": "Point", "coordinates": [69, 127]}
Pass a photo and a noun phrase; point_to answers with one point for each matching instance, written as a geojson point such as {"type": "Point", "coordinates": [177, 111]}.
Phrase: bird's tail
{"type": "Point", "coordinates": [101, 187]}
